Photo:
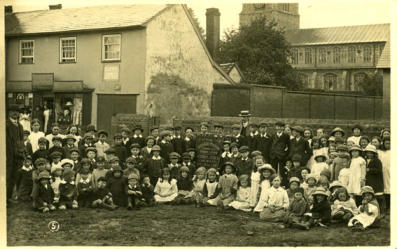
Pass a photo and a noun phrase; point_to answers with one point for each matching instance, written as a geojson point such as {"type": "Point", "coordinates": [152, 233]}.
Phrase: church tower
{"type": "Point", "coordinates": [286, 15]}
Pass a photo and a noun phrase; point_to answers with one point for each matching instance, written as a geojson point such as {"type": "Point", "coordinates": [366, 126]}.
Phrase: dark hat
{"type": "Point", "coordinates": [70, 136]}
{"type": "Point", "coordinates": [244, 149]}
{"type": "Point", "coordinates": [358, 126]}
{"type": "Point", "coordinates": [297, 128]}
{"type": "Point", "coordinates": [227, 141]}
{"type": "Point", "coordinates": [131, 160]}
{"type": "Point", "coordinates": [263, 124]}
{"type": "Point", "coordinates": [336, 130]}
{"type": "Point", "coordinates": [135, 145]}
{"type": "Point", "coordinates": [156, 148]}
{"type": "Point", "coordinates": [44, 175]}
{"type": "Point", "coordinates": [149, 137]}
{"type": "Point", "coordinates": [84, 171]}
{"type": "Point", "coordinates": [154, 128]}
{"type": "Point", "coordinates": [42, 140]}
{"type": "Point", "coordinates": [114, 159]}
{"type": "Point", "coordinates": [186, 155]}
{"type": "Point", "coordinates": [254, 125]}
{"type": "Point", "coordinates": [90, 149]}
{"type": "Point", "coordinates": [233, 145]}
{"type": "Point", "coordinates": [256, 153]}
{"type": "Point", "coordinates": [102, 179]}
{"type": "Point", "coordinates": [117, 168]}
{"type": "Point", "coordinates": [218, 125]}
{"type": "Point", "coordinates": [59, 138]}
{"type": "Point", "coordinates": [74, 149]}
{"type": "Point", "coordinates": [177, 127]}
{"type": "Point", "coordinates": [111, 150]}
{"type": "Point", "coordinates": [126, 129]}
{"type": "Point", "coordinates": [26, 132]}
{"type": "Point", "coordinates": [174, 155]}
{"type": "Point", "coordinates": [164, 134]}
{"type": "Point", "coordinates": [169, 128]}
{"type": "Point", "coordinates": [68, 175]}
{"type": "Point", "coordinates": [280, 123]}
{"type": "Point", "coordinates": [138, 127]}
{"type": "Point", "coordinates": [339, 140]}
{"type": "Point", "coordinates": [244, 113]}
{"type": "Point", "coordinates": [28, 157]}
{"type": "Point", "coordinates": [189, 127]}
{"type": "Point", "coordinates": [296, 158]}
{"type": "Point", "coordinates": [87, 136]}
{"type": "Point", "coordinates": [235, 127]}
{"type": "Point", "coordinates": [14, 108]}
{"type": "Point", "coordinates": [85, 161]}
{"type": "Point", "coordinates": [342, 147]}
{"type": "Point", "coordinates": [231, 165]}
{"type": "Point", "coordinates": [300, 190]}
{"type": "Point", "coordinates": [190, 149]}
{"type": "Point", "coordinates": [55, 154]}
{"type": "Point", "coordinates": [117, 135]}
{"type": "Point", "coordinates": [103, 132]}
{"type": "Point", "coordinates": [40, 161]}
{"type": "Point", "coordinates": [326, 173]}
{"type": "Point", "coordinates": [101, 159]}
{"type": "Point", "coordinates": [90, 127]}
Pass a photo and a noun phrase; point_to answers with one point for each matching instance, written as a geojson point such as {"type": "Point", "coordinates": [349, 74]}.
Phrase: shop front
{"type": "Point", "coordinates": [66, 102]}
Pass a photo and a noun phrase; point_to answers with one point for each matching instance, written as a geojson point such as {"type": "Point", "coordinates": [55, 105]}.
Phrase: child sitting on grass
{"type": "Point", "coordinates": [185, 186]}
{"type": "Point", "coordinates": [102, 196]}
{"type": "Point", "coordinates": [99, 172]}
{"type": "Point", "coordinates": [134, 192]}
{"type": "Point", "coordinates": [344, 207]}
{"type": "Point", "coordinates": [242, 201]}
{"type": "Point", "coordinates": [40, 165]}
{"type": "Point", "coordinates": [147, 191]}
{"type": "Point", "coordinates": [84, 188]}
{"type": "Point", "coordinates": [294, 184]}
{"type": "Point", "coordinates": [297, 208]}
{"type": "Point", "coordinates": [311, 188]}
{"type": "Point", "coordinates": [24, 180]}
{"type": "Point", "coordinates": [166, 189]}
{"type": "Point", "coordinates": [45, 194]}
{"type": "Point", "coordinates": [117, 185]}
{"type": "Point", "coordinates": [210, 191]}
{"type": "Point", "coordinates": [276, 201]}
{"type": "Point", "coordinates": [227, 186]}
{"type": "Point", "coordinates": [67, 191]}
{"type": "Point", "coordinates": [56, 173]}
{"type": "Point", "coordinates": [333, 189]}
{"type": "Point", "coordinates": [368, 211]}
{"type": "Point", "coordinates": [198, 186]}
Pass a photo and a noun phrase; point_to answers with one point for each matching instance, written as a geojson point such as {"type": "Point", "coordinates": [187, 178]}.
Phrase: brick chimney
{"type": "Point", "coordinates": [8, 9]}
{"type": "Point", "coordinates": [55, 7]}
{"type": "Point", "coordinates": [213, 30]}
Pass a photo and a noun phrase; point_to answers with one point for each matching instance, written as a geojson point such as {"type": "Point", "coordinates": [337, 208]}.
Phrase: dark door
{"type": "Point", "coordinates": [112, 104]}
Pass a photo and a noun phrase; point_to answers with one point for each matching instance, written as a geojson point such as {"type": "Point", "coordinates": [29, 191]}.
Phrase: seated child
{"type": "Point", "coordinates": [304, 173]}
{"type": "Point", "coordinates": [227, 186]}
{"type": "Point", "coordinates": [333, 189]}
{"type": "Point", "coordinates": [297, 208]}
{"type": "Point", "coordinates": [67, 191]}
{"type": "Point", "coordinates": [40, 165]}
{"type": "Point", "coordinates": [368, 211]}
{"type": "Point", "coordinates": [117, 185]}
{"type": "Point", "coordinates": [320, 212]}
{"type": "Point", "coordinates": [56, 173]}
{"type": "Point", "coordinates": [147, 191]}
{"type": "Point", "coordinates": [131, 164]}
{"type": "Point", "coordinates": [84, 188]}
{"type": "Point", "coordinates": [319, 166]}
{"type": "Point", "coordinates": [311, 188]}
{"type": "Point", "coordinates": [102, 196]}
{"type": "Point", "coordinates": [45, 194]}
{"type": "Point", "coordinates": [294, 184]}
{"type": "Point", "coordinates": [266, 172]}
{"type": "Point", "coordinates": [99, 172]}
{"type": "Point", "coordinates": [134, 192]}
{"type": "Point", "coordinates": [198, 186]}
{"type": "Point", "coordinates": [276, 201]}
{"type": "Point", "coordinates": [242, 201]}
{"type": "Point", "coordinates": [210, 191]}
{"type": "Point", "coordinates": [185, 186]}
{"type": "Point", "coordinates": [24, 180]}
{"type": "Point", "coordinates": [166, 189]}
{"type": "Point", "coordinates": [344, 207]}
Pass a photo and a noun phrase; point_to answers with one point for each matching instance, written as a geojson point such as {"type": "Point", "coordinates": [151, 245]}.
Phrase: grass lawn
{"type": "Point", "coordinates": [173, 226]}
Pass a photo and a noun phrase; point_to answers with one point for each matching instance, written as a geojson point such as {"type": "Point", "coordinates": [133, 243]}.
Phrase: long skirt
{"type": "Point", "coordinates": [160, 199]}
{"type": "Point", "coordinates": [241, 205]}
{"type": "Point", "coordinates": [267, 215]}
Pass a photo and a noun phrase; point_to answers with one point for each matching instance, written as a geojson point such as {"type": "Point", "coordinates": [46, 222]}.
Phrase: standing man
{"type": "Point", "coordinates": [14, 148]}
{"type": "Point", "coordinates": [279, 149]}
{"type": "Point", "coordinates": [264, 142]}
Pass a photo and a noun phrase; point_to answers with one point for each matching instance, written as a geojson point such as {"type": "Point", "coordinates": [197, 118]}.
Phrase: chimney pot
{"type": "Point", "coordinates": [55, 6]}
{"type": "Point", "coordinates": [213, 30]}
{"type": "Point", "coordinates": [8, 9]}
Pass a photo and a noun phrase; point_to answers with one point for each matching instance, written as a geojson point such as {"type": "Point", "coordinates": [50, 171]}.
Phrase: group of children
{"type": "Point", "coordinates": [329, 180]}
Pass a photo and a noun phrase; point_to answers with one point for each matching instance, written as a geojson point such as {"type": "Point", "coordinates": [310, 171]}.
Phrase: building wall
{"type": "Point", "coordinates": [176, 57]}
{"type": "Point", "coordinates": [89, 66]}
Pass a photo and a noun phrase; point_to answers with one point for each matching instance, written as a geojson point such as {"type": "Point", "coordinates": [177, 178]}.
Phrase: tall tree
{"type": "Point", "coordinates": [372, 84]}
{"type": "Point", "coordinates": [262, 53]}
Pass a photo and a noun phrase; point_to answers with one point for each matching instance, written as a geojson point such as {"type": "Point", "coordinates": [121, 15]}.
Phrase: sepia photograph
{"type": "Point", "coordinates": [197, 124]}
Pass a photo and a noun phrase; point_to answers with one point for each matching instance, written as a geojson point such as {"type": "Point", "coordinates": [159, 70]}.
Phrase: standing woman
{"type": "Point", "coordinates": [35, 135]}
{"type": "Point", "coordinates": [308, 135]}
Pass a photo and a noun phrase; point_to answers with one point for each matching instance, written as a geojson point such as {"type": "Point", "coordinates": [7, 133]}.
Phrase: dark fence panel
{"type": "Point", "coordinates": [365, 108]}
{"type": "Point", "coordinates": [345, 107]}
{"type": "Point", "coordinates": [322, 106]}
{"type": "Point", "coordinates": [229, 101]}
{"type": "Point", "coordinates": [266, 102]}
{"type": "Point", "coordinates": [296, 105]}
{"type": "Point", "coordinates": [378, 108]}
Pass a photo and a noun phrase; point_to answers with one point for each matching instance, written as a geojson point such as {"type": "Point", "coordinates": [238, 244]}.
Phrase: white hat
{"type": "Point", "coordinates": [65, 161]}
{"type": "Point", "coordinates": [69, 103]}
{"type": "Point", "coordinates": [371, 148]}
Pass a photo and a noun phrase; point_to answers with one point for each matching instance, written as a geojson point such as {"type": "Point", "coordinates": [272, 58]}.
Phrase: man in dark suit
{"type": "Point", "coordinates": [252, 137]}
{"type": "Point", "coordinates": [299, 145]}
{"type": "Point", "coordinates": [237, 138]}
{"type": "Point", "coordinates": [14, 148]}
{"type": "Point", "coordinates": [279, 149]}
{"type": "Point", "coordinates": [264, 142]}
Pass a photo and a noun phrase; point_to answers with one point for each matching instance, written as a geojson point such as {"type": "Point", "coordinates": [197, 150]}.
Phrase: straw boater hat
{"type": "Point", "coordinates": [371, 148]}
{"type": "Point", "coordinates": [335, 184]}
{"type": "Point", "coordinates": [294, 179]}
{"type": "Point", "coordinates": [355, 147]}
{"type": "Point", "coordinates": [244, 113]}
{"type": "Point", "coordinates": [336, 130]}
{"type": "Point", "coordinates": [268, 167]}
{"type": "Point", "coordinates": [67, 161]}
{"type": "Point", "coordinates": [320, 191]}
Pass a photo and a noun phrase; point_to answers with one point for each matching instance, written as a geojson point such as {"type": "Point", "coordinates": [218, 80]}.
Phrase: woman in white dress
{"type": "Point", "coordinates": [357, 172]}
{"type": "Point", "coordinates": [166, 189]}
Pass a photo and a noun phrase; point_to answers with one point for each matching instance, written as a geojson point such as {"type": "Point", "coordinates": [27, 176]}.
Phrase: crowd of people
{"type": "Point", "coordinates": [295, 176]}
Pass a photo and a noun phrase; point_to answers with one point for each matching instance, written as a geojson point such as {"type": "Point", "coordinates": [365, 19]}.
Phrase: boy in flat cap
{"type": "Point", "coordinates": [243, 164]}
{"type": "Point", "coordinates": [299, 145]}
{"type": "Point", "coordinates": [279, 148]}
{"type": "Point", "coordinates": [154, 165]}
{"type": "Point", "coordinates": [166, 146]}
{"type": "Point", "coordinates": [125, 137]}
{"type": "Point", "coordinates": [119, 149]}
{"type": "Point", "coordinates": [174, 166]}
{"type": "Point", "coordinates": [252, 136]}
{"type": "Point", "coordinates": [57, 146]}
{"type": "Point", "coordinates": [137, 136]}
{"type": "Point", "coordinates": [134, 192]}
{"type": "Point", "coordinates": [101, 146]}
{"type": "Point", "coordinates": [264, 142]}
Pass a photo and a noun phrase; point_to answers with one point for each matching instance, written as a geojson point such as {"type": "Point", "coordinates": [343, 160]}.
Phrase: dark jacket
{"type": "Point", "coordinates": [264, 145]}
{"type": "Point", "coordinates": [185, 183]}
{"type": "Point", "coordinates": [240, 141]}
{"type": "Point", "coordinates": [252, 142]}
{"type": "Point", "coordinates": [40, 154]}
{"type": "Point", "coordinates": [67, 192]}
{"type": "Point", "coordinates": [100, 193]}
{"type": "Point", "coordinates": [374, 175]}
{"type": "Point", "coordinates": [153, 167]}
{"type": "Point", "coordinates": [117, 186]}
{"type": "Point", "coordinates": [243, 166]}
{"type": "Point", "coordinates": [14, 143]}
{"type": "Point", "coordinates": [300, 147]}
{"type": "Point", "coordinates": [279, 146]}
{"type": "Point", "coordinates": [44, 195]}
{"type": "Point", "coordinates": [321, 210]}
{"type": "Point", "coordinates": [166, 149]}
{"type": "Point", "coordinates": [179, 145]}
{"type": "Point", "coordinates": [121, 153]}
{"type": "Point", "coordinates": [136, 140]}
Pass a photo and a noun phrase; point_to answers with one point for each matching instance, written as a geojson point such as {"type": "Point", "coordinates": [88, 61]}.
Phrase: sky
{"type": "Point", "coordinates": [313, 13]}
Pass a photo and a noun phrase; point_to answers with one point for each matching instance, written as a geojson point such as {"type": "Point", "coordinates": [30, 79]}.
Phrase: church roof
{"type": "Point", "coordinates": [344, 35]}
{"type": "Point", "coordinates": [339, 35]}
{"type": "Point", "coordinates": [80, 19]}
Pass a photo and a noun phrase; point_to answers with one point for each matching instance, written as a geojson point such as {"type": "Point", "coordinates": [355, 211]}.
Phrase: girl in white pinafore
{"type": "Point", "coordinates": [255, 180]}
{"type": "Point", "coordinates": [166, 189]}
{"type": "Point", "coordinates": [357, 171]}
{"type": "Point", "coordinates": [242, 201]}
{"type": "Point", "coordinates": [265, 171]}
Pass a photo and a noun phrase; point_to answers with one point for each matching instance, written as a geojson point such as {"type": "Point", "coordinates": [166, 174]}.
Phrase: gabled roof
{"type": "Point", "coordinates": [339, 35]}
{"type": "Point", "coordinates": [80, 19]}
{"type": "Point", "coordinates": [228, 67]}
